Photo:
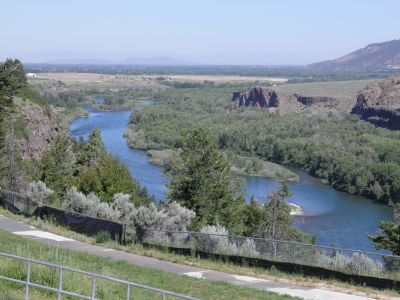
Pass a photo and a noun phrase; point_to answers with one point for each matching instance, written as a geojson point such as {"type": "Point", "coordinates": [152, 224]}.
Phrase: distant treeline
{"type": "Point", "coordinates": [295, 73]}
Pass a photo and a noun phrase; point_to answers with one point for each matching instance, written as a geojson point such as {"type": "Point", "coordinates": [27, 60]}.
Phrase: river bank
{"type": "Point", "coordinates": [334, 217]}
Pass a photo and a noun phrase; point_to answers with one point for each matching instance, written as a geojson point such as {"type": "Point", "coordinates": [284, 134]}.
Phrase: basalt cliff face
{"type": "Point", "coordinates": [39, 128]}
{"type": "Point", "coordinates": [259, 97]}
{"type": "Point", "coordinates": [379, 103]}
{"type": "Point", "coordinates": [267, 98]}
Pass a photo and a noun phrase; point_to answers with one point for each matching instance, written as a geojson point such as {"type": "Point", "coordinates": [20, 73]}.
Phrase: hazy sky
{"type": "Point", "coordinates": [215, 31]}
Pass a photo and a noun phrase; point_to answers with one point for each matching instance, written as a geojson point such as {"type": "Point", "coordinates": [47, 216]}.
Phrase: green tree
{"type": "Point", "coordinates": [278, 222]}
{"type": "Point", "coordinates": [58, 166]}
{"type": "Point", "coordinates": [203, 182]}
{"type": "Point", "coordinates": [12, 78]}
{"type": "Point", "coordinates": [104, 175]}
{"type": "Point", "coordinates": [90, 152]}
{"type": "Point", "coordinates": [110, 177]}
{"type": "Point", "coordinates": [390, 234]}
{"type": "Point", "coordinates": [254, 216]}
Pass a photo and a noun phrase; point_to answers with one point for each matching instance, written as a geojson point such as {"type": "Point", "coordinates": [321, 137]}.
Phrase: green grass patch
{"type": "Point", "coordinates": [271, 274]}
{"type": "Point", "coordinates": [118, 269]}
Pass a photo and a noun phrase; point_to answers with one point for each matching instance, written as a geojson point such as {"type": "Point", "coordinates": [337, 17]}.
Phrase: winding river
{"type": "Point", "coordinates": [334, 217]}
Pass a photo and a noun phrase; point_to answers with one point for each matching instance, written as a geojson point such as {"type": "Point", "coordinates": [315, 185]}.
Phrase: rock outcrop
{"type": "Point", "coordinates": [379, 103]}
{"type": "Point", "coordinates": [310, 100]}
{"type": "Point", "coordinates": [40, 128]}
{"type": "Point", "coordinates": [267, 98]}
{"type": "Point", "coordinates": [259, 97]}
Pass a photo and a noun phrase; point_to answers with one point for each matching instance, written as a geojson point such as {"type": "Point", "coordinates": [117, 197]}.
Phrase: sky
{"type": "Point", "coordinates": [281, 32]}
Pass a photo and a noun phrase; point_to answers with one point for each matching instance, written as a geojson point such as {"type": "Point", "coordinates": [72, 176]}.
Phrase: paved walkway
{"type": "Point", "coordinates": [31, 232]}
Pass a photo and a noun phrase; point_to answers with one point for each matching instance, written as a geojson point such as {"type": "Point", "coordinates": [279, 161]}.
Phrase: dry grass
{"type": "Point", "coordinates": [225, 79]}
{"type": "Point", "coordinates": [344, 91]}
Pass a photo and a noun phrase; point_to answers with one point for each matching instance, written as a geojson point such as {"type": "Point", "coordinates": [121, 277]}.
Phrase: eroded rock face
{"type": "Point", "coordinates": [256, 97]}
{"type": "Point", "coordinates": [260, 97]}
{"type": "Point", "coordinates": [379, 103]}
{"type": "Point", "coordinates": [310, 100]}
{"type": "Point", "coordinates": [267, 98]}
{"type": "Point", "coordinates": [40, 130]}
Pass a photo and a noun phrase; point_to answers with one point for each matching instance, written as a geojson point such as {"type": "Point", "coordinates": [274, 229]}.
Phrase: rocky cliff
{"type": "Point", "coordinates": [259, 97]}
{"type": "Point", "coordinates": [379, 103]}
{"type": "Point", "coordinates": [267, 98]}
{"type": "Point", "coordinates": [37, 127]}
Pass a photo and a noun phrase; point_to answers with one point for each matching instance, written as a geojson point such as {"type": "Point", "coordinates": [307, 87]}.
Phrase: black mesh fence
{"type": "Point", "coordinates": [369, 267]}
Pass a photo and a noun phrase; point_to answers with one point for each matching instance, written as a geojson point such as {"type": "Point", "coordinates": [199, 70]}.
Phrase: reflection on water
{"type": "Point", "coordinates": [332, 216]}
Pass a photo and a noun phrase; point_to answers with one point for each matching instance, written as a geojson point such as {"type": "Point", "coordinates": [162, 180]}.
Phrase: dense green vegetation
{"type": "Point", "coordinates": [203, 182]}
{"type": "Point", "coordinates": [90, 168]}
{"type": "Point", "coordinates": [345, 152]}
{"type": "Point", "coordinates": [118, 269]}
{"type": "Point", "coordinates": [86, 165]}
{"type": "Point", "coordinates": [389, 238]}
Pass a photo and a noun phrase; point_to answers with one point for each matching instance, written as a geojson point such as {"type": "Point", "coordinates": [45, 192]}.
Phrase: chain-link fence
{"type": "Point", "coordinates": [348, 261]}
{"type": "Point", "coordinates": [22, 203]}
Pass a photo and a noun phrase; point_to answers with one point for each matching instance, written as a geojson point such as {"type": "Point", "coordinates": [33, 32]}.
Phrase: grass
{"type": "Point", "coordinates": [269, 274]}
{"type": "Point", "coordinates": [241, 165]}
{"type": "Point", "coordinates": [119, 269]}
{"type": "Point", "coordinates": [345, 91]}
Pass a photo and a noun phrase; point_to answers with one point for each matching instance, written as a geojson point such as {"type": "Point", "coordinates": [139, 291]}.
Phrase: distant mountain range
{"type": "Point", "coordinates": [157, 61]}
{"type": "Point", "coordinates": [372, 58]}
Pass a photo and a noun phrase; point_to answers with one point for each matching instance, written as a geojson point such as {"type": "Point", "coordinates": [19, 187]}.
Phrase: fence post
{"type": "Point", "coordinates": [124, 233]}
{"type": "Point", "coordinates": [359, 262]}
{"type": "Point", "coordinates": [294, 253]}
{"type": "Point", "coordinates": [128, 292]}
{"type": "Point", "coordinates": [164, 296]}
{"type": "Point", "coordinates": [94, 287]}
{"type": "Point", "coordinates": [60, 279]}
{"type": "Point", "coordinates": [28, 278]}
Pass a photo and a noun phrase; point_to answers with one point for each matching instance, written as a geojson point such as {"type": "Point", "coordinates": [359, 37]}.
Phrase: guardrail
{"type": "Point", "coordinates": [94, 277]}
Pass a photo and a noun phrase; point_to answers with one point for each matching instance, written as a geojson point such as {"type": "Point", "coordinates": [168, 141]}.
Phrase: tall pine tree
{"type": "Point", "coordinates": [204, 183]}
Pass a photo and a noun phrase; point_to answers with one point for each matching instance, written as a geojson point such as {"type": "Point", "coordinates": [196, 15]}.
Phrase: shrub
{"type": "Point", "coordinates": [172, 217]}
{"type": "Point", "coordinates": [123, 206]}
{"type": "Point", "coordinates": [39, 192]}
{"type": "Point", "coordinates": [357, 263]}
{"type": "Point", "coordinates": [102, 237]}
{"type": "Point", "coordinates": [248, 249]}
{"type": "Point", "coordinates": [214, 239]}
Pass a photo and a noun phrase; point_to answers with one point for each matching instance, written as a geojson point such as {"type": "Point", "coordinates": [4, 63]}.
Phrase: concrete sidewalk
{"type": "Point", "coordinates": [31, 232]}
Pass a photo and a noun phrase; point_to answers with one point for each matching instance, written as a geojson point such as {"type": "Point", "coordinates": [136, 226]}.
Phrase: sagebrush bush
{"type": "Point", "coordinates": [123, 206]}
{"type": "Point", "coordinates": [248, 249]}
{"type": "Point", "coordinates": [172, 217]}
{"type": "Point", "coordinates": [214, 239]}
{"type": "Point", "coordinates": [356, 263]}
{"type": "Point", "coordinates": [39, 192]}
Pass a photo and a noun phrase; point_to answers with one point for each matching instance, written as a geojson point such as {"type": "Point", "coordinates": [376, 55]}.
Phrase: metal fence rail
{"type": "Point", "coordinates": [94, 277]}
{"type": "Point", "coordinates": [349, 261]}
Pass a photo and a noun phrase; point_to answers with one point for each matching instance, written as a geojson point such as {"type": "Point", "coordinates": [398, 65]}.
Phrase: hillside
{"type": "Point", "coordinates": [372, 58]}
{"type": "Point", "coordinates": [28, 126]}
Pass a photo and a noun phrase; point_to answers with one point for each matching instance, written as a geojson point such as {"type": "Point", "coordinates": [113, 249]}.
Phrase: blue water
{"type": "Point", "coordinates": [333, 217]}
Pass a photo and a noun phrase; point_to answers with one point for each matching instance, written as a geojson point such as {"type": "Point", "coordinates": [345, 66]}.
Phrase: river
{"type": "Point", "coordinates": [334, 217]}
